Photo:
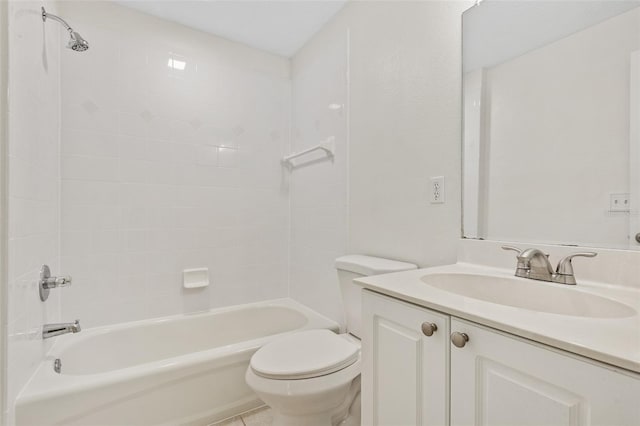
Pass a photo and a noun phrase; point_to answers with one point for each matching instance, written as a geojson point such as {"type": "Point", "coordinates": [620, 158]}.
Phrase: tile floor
{"type": "Point", "coordinates": [259, 417]}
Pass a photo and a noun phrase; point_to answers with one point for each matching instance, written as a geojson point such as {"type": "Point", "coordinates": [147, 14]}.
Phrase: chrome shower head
{"type": "Point", "coordinates": [76, 42]}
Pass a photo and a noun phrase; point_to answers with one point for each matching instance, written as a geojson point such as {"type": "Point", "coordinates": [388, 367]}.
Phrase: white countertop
{"type": "Point", "coordinates": [615, 341]}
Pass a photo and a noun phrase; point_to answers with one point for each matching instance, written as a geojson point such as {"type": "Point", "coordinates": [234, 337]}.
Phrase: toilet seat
{"type": "Point", "coordinates": [304, 355]}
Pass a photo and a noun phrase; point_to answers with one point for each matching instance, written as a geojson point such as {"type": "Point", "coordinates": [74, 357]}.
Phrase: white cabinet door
{"type": "Point", "coordinates": [501, 380]}
{"type": "Point", "coordinates": [404, 372]}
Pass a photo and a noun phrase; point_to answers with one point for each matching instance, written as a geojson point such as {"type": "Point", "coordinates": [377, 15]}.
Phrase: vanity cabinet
{"type": "Point", "coordinates": [405, 371]}
{"type": "Point", "coordinates": [498, 379]}
{"type": "Point", "coordinates": [493, 379]}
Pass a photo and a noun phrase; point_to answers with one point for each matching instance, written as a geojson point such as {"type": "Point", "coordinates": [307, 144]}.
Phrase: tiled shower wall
{"type": "Point", "coordinates": [33, 195]}
{"type": "Point", "coordinates": [171, 147]}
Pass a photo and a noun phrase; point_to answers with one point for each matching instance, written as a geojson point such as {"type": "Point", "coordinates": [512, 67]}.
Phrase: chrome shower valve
{"type": "Point", "coordinates": [48, 282]}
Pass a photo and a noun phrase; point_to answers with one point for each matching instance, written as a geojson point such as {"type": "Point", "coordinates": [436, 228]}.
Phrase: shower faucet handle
{"type": "Point", "coordinates": [54, 282]}
{"type": "Point", "coordinates": [48, 282]}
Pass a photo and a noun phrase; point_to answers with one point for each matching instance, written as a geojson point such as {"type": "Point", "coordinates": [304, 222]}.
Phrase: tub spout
{"type": "Point", "coordinates": [52, 330]}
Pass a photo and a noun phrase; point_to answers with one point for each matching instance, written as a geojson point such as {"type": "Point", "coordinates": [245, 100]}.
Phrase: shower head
{"type": "Point", "coordinates": [76, 42]}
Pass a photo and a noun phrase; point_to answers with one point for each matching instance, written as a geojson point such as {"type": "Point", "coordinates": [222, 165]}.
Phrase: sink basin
{"type": "Point", "coordinates": [529, 294]}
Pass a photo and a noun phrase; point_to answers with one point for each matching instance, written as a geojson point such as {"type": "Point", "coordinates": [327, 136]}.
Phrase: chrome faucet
{"type": "Point", "coordinates": [52, 330]}
{"type": "Point", "coordinates": [534, 264]}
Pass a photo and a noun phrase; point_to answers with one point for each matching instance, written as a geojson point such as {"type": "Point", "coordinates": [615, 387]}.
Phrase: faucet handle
{"type": "Point", "coordinates": [512, 248]}
{"type": "Point", "coordinates": [565, 267]}
{"type": "Point", "coordinates": [523, 266]}
{"type": "Point", "coordinates": [519, 251]}
{"type": "Point", "coordinates": [47, 282]}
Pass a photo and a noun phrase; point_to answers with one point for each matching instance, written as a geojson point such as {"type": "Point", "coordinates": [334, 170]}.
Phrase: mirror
{"type": "Point", "coordinates": [551, 122]}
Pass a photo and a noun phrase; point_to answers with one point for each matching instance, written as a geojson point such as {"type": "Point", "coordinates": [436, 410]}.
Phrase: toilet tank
{"type": "Point", "coordinates": [355, 266]}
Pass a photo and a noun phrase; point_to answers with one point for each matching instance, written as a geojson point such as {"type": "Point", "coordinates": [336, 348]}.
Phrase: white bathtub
{"type": "Point", "coordinates": [186, 369]}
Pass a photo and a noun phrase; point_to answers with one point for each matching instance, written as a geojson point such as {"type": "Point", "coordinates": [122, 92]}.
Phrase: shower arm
{"type": "Point", "coordinates": [76, 42]}
{"type": "Point", "coordinates": [46, 16]}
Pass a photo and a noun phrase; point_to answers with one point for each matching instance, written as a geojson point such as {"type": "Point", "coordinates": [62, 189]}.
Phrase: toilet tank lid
{"type": "Point", "coordinates": [369, 265]}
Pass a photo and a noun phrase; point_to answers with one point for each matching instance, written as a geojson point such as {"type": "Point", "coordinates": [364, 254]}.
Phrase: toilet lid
{"type": "Point", "coordinates": [304, 355]}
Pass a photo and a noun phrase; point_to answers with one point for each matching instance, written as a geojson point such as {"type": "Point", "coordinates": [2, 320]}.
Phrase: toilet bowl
{"type": "Point", "coordinates": [318, 394]}
{"type": "Point", "coordinates": [312, 378]}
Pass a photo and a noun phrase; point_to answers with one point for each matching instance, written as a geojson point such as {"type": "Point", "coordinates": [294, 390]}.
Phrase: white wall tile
{"type": "Point", "coordinates": [207, 155]}
{"type": "Point", "coordinates": [132, 125]}
{"type": "Point", "coordinates": [132, 148]}
{"type": "Point", "coordinates": [78, 192]}
{"type": "Point", "coordinates": [90, 168]}
{"type": "Point", "coordinates": [86, 143]}
{"type": "Point", "coordinates": [227, 157]}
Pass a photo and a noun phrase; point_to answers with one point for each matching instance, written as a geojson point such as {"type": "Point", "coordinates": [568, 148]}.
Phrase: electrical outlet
{"type": "Point", "coordinates": [437, 190]}
{"type": "Point", "coordinates": [619, 203]}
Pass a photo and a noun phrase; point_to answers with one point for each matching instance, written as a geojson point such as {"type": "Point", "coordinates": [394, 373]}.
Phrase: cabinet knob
{"type": "Point", "coordinates": [428, 328]}
{"type": "Point", "coordinates": [459, 339]}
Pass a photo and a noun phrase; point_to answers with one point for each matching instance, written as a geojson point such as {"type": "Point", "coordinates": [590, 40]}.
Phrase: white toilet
{"type": "Point", "coordinates": [312, 378]}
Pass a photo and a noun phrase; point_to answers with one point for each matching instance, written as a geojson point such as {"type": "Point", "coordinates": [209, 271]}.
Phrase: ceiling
{"type": "Point", "coordinates": [495, 31]}
{"type": "Point", "coordinates": [280, 27]}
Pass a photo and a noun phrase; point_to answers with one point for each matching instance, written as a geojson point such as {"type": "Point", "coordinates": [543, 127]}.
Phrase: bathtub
{"type": "Point", "coordinates": [179, 370]}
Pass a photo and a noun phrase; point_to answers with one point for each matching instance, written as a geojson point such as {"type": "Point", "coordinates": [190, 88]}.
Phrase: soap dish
{"type": "Point", "coordinates": [195, 278]}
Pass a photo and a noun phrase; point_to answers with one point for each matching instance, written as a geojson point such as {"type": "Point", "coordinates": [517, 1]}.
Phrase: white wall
{"type": "Point", "coordinates": [405, 128]}
{"type": "Point", "coordinates": [556, 154]}
{"type": "Point", "coordinates": [403, 123]}
{"type": "Point", "coordinates": [164, 169]}
{"type": "Point", "coordinates": [33, 179]}
{"type": "Point", "coordinates": [4, 134]}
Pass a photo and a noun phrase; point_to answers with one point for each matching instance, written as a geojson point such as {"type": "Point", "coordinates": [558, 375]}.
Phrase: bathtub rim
{"type": "Point", "coordinates": [46, 383]}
